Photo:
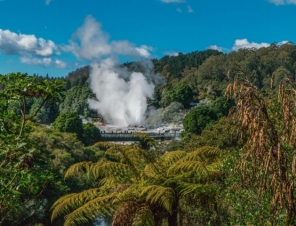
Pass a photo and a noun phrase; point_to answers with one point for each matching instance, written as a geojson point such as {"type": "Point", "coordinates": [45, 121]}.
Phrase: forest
{"type": "Point", "coordinates": [234, 165]}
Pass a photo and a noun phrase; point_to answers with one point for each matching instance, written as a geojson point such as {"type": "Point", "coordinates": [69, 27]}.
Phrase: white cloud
{"type": "Point", "coordinates": [245, 44]}
{"type": "Point", "coordinates": [171, 53]}
{"type": "Point", "coordinates": [179, 10]}
{"type": "Point", "coordinates": [283, 42]}
{"type": "Point", "coordinates": [282, 2]}
{"type": "Point", "coordinates": [189, 9]}
{"type": "Point", "coordinates": [20, 44]}
{"type": "Point", "coordinates": [44, 62]}
{"type": "Point", "coordinates": [91, 42]}
{"type": "Point", "coordinates": [215, 47]}
{"type": "Point", "coordinates": [173, 1]}
{"type": "Point", "coordinates": [47, 2]}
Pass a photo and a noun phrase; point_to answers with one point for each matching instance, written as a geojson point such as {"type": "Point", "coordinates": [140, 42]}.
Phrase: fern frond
{"type": "Point", "coordinates": [196, 190]}
{"type": "Point", "coordinates": [208, 153]}
{"type": "Point", "coordinates": [68, 203]}
{"type": "Point", "coordinates": [171, 157]}
{"type": "Point", "coordinates": [153, 171]}
{"type": "Point", "coordinates": [143, 217]}
{"type": "Point", "coordinates": [81, 167]}
{"type": "Point", "coordinates": [98, 207]}
{"type": "Point", "coordinates": [156, 194]}
{"type": "Point", "coordinates": [113, 170]}
{"type": "Point", "coordinates": [127, 192]}
{"type": "Point", "coordinates": [188, 166]}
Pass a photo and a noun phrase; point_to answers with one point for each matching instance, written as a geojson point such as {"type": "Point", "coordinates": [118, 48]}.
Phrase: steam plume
{"type": "Point", "coordinates": [121, 99]}
{"type": "Point", "coordinates": [121, 95]}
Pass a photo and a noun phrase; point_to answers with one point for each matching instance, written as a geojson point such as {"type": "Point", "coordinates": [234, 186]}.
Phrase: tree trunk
{"type": "Point", "coordinates": [173, 218]}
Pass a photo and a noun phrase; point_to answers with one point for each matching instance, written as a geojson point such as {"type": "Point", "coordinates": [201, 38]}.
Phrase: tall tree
{"type": "Point", "coordinates": [22, 168]}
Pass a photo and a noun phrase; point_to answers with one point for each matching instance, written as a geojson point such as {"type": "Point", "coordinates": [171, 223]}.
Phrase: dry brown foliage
{"type": "Point", "coordinates": [267, 163]}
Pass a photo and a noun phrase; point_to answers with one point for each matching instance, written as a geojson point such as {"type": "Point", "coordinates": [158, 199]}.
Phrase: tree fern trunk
{"type": "Point", "coordinates": [173, 218]}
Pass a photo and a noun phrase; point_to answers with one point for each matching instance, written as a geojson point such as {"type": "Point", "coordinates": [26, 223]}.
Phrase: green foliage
{"type": "Point", "coordinates": [139, 189]}
{"type": "Point", "coordinates": [25, 173]}
{"type": "Point", "coordinates": [76, 101]}
{"type": "Point", "coordinates": [69, 122]}
{"type": "Point", "coordinates": [183, 94]}
{"type": "Point", "coordinates": [78, 77]}
{"type": "Point", "coordinates": [47, 113]}
{"type": "Point", "coordinates": [198, 119]}
{"type": "Point", "coordinates": [222, 105]}
{"type": "Point", "coordinates": [205, 117]}
{"type": "Point", "coordinates": [91, 134]}
{"type": "Point", "coordinates": [222, 135]}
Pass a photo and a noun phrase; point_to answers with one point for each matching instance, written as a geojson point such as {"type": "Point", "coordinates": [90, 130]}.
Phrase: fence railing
{"type": "Point", "coordinates": [135, 137]}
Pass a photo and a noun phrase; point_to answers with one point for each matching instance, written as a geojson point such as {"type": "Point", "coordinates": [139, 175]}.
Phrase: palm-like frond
{"type": "Point", "coordinates": [196, 190]}
{"type": "Point", "coordinates": [171, 157]}
{"type": "Point", "coordinates": [201, 163]}
{"type": "Point", "coordinates": [135, 182]}
{"type": "Point", "coordinates": [207, 153]}
{"type": "Point", "coordinates": [127, 192]}
{"type": "Point", "coordinates": [100, 206]}
{"type": "Point", "coordinates": [153, 171]}
{"type": "Point", "coordinates": [112, 170]}
{"type": "Point", "coordinates": [196, 167]}
{"type": "Point", "coordinates": [70, 202]}
{"type": "Point", "coordinates": [81, 167]}
{"type": "Point", "coordinates": [163, 196]}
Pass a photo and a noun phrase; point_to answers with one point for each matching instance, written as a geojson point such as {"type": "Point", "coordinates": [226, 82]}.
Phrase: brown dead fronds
{"type": "Point", "coordinates": [267, 164]}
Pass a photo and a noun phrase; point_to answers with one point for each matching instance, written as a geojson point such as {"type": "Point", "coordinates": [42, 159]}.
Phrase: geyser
{"type": "Point", "coordinates": [121, 95]}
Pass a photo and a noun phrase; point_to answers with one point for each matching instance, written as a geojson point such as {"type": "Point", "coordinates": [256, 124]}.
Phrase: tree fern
{"type": "Point", "coordinates": [138, 189]}
{"type": "Point", "coordinates": [156, 194]}
{"type": "Point", "coordinates": [100, 206]}
{"type": "Point", "coordinates": [70, 202]}
{"type": "Point", "coordinates": [171, 157]}
{"type": "Point", "coordinates": [196, 190]}
{"type": "Point", "coordinates": [127, 192]}
{"type": "Point", "coordinates": [81, 167]}
{"type": "Point", "coordinates": [196, 167]}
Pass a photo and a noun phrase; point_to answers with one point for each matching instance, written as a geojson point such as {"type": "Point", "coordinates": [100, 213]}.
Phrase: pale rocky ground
{"type": "Point", "coordinates": [161, 121]}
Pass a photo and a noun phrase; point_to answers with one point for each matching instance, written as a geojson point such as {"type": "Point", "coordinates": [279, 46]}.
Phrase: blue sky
{"type": "Point", "coordinates": [58, 36]}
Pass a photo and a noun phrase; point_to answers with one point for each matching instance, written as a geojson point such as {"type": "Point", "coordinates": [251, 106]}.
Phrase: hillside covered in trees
{"type": "Point", "coordinates": [235, 163]}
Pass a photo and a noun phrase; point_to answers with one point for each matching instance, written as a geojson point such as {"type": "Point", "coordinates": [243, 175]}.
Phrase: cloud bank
{"type": "Point", "coordinates": [32, 50]}
{"type": "Point", "coordinates": [20, 44]}
{"type": "Point", "coordinates": [44, 62]}
{"type": "Point", "coordinates": [245, 44]}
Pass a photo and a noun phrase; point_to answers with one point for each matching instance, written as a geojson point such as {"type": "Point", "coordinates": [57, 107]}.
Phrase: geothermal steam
{"type": "Point", "coordinates": [121, 95]}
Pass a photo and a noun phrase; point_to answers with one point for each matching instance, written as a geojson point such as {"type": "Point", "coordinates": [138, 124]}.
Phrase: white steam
{"type": "Point", "coordinates": [121, 96]}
